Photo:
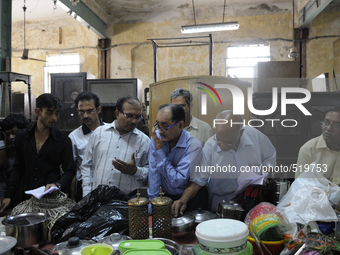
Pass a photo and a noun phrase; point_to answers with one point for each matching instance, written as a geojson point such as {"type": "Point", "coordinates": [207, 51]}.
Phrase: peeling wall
{"type": "Point", "coordinates": [130, 59]}
{"type": "Point", "coordinates": [132, 53]}
{"type": "Point", "coordinates": [320, 51]}
{"type": "Point", "coordinates": [42, 40]}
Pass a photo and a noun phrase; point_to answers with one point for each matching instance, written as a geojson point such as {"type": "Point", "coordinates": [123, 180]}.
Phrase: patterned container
{"type": "Point", "coordinates": [161, 216]}
{"type": "Point", "coordinates": [138, 217]}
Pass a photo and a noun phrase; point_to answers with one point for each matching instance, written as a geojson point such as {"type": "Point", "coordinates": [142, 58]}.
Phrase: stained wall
{"type": "Point", "coordinates": [132, 53]}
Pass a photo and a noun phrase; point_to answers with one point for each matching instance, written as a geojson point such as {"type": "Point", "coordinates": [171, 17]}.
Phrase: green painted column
{"type": "Point", "coordinates": [5, 34]}
{"type": "Point", "coordinates": [5, 46]}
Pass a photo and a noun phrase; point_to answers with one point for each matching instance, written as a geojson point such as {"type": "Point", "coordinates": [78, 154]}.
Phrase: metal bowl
{"type": "Point", "coordinates": [182, 226]}
{"type": "Point", "coordinates": [170, 245]}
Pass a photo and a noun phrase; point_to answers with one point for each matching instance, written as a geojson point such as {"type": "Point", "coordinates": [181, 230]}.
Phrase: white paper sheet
{"type": "Point", "coordinates": [246, 179]}
{"type": "Point", "coordinates": [39, 192]}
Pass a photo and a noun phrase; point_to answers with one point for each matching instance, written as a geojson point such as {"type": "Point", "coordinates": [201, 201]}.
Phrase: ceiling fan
{"type": "Point", "coordinates": [25, 52]}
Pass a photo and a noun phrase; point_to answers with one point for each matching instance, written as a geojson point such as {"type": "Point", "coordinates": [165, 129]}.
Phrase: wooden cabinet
{"type": "Point", "coordinates": [67, 86]}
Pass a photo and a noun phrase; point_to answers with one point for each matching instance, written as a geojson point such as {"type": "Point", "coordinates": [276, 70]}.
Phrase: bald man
{"type": "Point", "coordinates": [234, 148]}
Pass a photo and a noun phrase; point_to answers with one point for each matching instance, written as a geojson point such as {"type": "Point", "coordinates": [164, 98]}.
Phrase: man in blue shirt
{"type": "Point", "coordinates": [173, 153]}
{"type": "Point", "coordinates": [233, 152]}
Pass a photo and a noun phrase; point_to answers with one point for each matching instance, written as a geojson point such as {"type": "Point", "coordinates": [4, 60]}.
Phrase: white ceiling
{"type": "Point", "coordinates": [137, 11]}
{"type": "Point", "coordinates": [36, 9]}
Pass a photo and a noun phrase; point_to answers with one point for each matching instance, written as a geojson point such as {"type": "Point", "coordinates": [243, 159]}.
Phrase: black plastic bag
{"type": "Point", "coordinates": [100, 213]}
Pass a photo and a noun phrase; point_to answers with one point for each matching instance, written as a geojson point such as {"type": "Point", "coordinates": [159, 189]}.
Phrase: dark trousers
{"type": "Point", "coordinates": [79, 191]}
{"type": "Point", "coordinates": [200, 200]}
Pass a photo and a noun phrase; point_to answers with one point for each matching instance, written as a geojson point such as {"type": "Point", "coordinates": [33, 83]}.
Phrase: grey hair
{"type": "Point", "coordinates": [181, 92]}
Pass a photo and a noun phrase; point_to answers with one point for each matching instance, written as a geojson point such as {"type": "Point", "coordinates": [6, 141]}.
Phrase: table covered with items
{"type": "Point", "coordinates": [107, 221]}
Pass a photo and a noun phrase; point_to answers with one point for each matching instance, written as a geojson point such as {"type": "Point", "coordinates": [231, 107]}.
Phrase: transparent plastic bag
{"type": "Point", "coordinates": [269, 223]}
{"type": "Point", "coordinates": [309, 199]}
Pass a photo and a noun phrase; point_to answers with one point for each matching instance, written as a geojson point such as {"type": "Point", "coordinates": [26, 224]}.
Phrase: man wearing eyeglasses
{"type": "Point", "coordinates": [324, 149]}
{"type": "Point", "coordinates": [117, 154]}
{"type": "Point", "coordinates": [173, 154]}
{"type": "Point", "coordinates": [235, 148]}
{"type": "Point", "coordinates": [197, 128]}
{"type": "Point", "coordinates": [88, 107]}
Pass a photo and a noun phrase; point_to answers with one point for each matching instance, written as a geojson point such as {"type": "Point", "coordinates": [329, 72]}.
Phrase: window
{"type": "Point", "coordinates": [242, 59]}
{"type": "Point", "coordinates": [62, 63]}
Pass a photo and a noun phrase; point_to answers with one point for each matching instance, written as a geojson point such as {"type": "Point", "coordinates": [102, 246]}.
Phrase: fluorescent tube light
{"type": "Point", "coordinates": [213, 27]}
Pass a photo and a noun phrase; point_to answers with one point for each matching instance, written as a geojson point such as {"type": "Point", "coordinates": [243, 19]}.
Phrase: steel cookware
{"type": "Point", "coordinates": [201, 215]}
{"type": "Point", "coordinates": [6, 244]}
{"type": "Point", "coordinates": [182, 225]}
{"type": "Point", "coordinates": [230, 210]}
{"type": "Point", "coordinates": [71, 247]}
{"type": "Point", "coordinates": [27, 228]}
{"type": "Point", "coordinates": [170, 245]}
{"type": "Point", "coordinates": [114, 240]}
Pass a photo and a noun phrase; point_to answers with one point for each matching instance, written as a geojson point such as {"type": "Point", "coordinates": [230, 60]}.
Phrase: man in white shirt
{"type": "Point", "coordinates": [324, 150]}
{"type": "Point", "coordinates": [88, 106]}
{"type": "Point", "coordinates": [234, 150]}
{"type": "Point", "coordinates": [197, 128]}
{"type": "Point", "coordinates": [117, 154]}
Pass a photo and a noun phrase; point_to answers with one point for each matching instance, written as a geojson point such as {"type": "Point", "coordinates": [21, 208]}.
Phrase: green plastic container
{"type": "Point", "coordinates": [129, 245]}
{"type": "Point", "coordinates": [148, 252]}
{"type": "Point", "coordinates": [97, 249]}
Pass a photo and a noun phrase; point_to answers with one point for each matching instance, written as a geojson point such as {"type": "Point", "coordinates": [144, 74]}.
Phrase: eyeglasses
{"type": "Point", "coordinates": [223, 142]}
{"type": "Point", "coordinates": [164, 129]}
{"type": "Point", "coordinates": [89, 111]}
{"type": "Point", "coordinates": [130, 116]}
{"type": "Point", "coordinates": [326, 124]}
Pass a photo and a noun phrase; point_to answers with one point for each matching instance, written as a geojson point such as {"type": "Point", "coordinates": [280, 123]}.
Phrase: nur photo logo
{"type": "Point", "coordinates": [239, 101]}
{"type": "Point", "coordinates": [204, 97]}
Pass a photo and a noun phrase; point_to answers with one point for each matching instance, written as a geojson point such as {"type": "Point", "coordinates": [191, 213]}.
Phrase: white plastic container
{"type": "Point", "coordinates": [222, 236]}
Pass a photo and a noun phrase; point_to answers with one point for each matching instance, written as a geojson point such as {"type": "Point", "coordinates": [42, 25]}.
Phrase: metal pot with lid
{"type": "Point", "coordinates": [114, 240]}
{"type": "Point", "coordinates": [201, 215]}
{"type": "Point", "coordinates": [182, 225]}
{"type": "Point", "coordinates": [230, 210]}
{"type": "Point", "coordinates": [71, 247]}
{"type": "Point", "coordinates": [27, 228]}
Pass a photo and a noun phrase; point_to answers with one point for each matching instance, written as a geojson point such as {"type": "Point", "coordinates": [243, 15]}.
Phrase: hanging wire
{"type": "Point", "coordinates": [193, 8]}
{"type": "Point", "coordinates": [24, 8]}
{"type": "Point", "coordinates": [223, 11]}
{"type": "Point", "coordinates": [293, 24]}
{"type": "Point", "coordinates": [54, 6]}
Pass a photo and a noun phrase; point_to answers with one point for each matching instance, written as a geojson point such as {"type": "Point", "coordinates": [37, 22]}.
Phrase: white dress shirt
{"type": "Point", "coordinates": [255, 149]}
{"type": "Point", "coordinates": [80, 138]}
{"type": "Point", "coordinates": [107, 144]}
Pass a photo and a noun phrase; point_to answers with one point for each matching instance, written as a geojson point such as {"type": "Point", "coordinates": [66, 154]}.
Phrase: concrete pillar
{"type": "Point", "coordinates": [5, 48]}
{"type": "Point", "coordinates": [5, 34]}
{"type": "Point", "coordinates": [104, 58]}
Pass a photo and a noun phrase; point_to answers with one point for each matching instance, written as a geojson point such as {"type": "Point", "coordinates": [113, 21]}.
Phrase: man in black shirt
{"type": "Point", "coordinates": [41, 149]}
{"type": "Point", "coordinates": [11, 125]}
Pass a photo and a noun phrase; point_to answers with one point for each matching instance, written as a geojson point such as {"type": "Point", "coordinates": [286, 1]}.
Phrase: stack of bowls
{"type": "Point", "coordinates": [265, 216]}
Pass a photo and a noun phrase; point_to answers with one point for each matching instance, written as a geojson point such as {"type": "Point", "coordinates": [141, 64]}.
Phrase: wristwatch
{"type": "Point", "coordinates": [58, 185]}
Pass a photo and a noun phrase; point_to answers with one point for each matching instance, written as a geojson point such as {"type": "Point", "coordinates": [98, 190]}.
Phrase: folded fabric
{"type": "Point", "coordinates": [40, 192]}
